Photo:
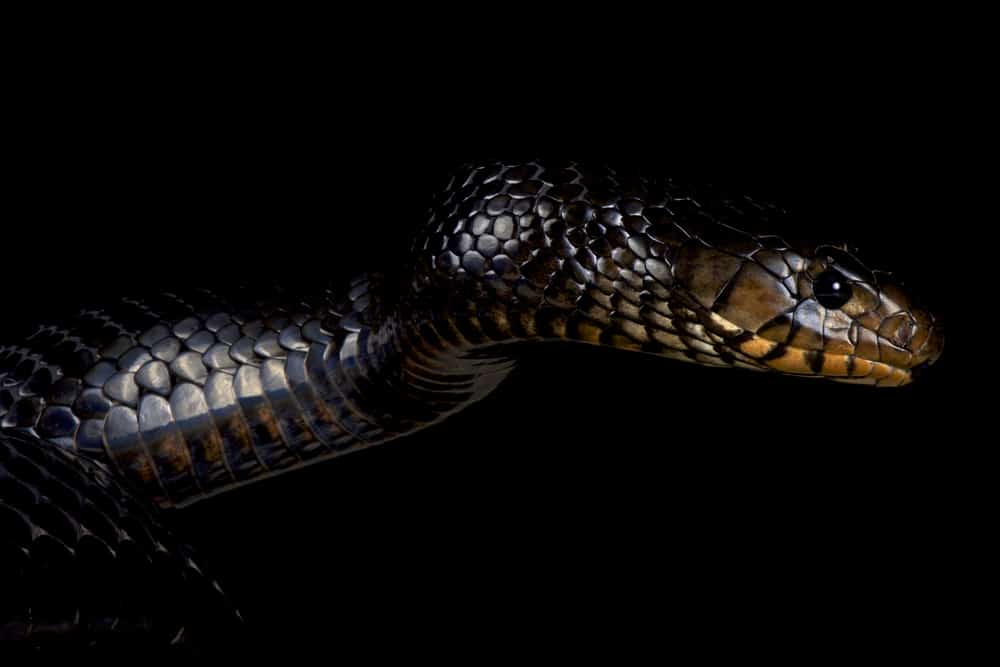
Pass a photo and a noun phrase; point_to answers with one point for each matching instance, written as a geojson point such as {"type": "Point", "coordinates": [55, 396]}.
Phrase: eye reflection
{"type": "Point", "coordinates": [832, 289]}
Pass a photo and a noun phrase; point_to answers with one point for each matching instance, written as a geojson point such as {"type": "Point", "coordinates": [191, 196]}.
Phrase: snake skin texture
{"type": "Point", "coordinates": [86, 562]}
{"type": "Point", "coordinates": [186, 395]}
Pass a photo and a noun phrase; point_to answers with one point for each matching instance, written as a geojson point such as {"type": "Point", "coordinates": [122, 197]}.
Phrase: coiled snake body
{"type": "Point", "coordinates": [169, 400]}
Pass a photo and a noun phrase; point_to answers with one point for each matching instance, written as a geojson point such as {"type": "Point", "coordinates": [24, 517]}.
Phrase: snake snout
{"type": "Point", "coordinates": [910, 336]}
{"type": "Point", "coordinates": [930, 351]}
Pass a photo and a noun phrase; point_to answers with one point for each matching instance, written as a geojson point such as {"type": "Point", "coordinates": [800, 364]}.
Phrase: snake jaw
{"type": "Point", "coordinates": [872, 360]}
{"type": "Point", "coordinates": [755, 351]}
{"type": "Point", "coordinates": [894, 369]}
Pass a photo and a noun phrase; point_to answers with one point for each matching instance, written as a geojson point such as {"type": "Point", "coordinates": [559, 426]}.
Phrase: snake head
{"type": "Point", "coordinates": [532, 251]}
{"type": "Point", "coordinates": [819, 312]}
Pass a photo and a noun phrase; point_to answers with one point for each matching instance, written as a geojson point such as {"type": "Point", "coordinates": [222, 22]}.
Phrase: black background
{"type": "Point", "coordinates": [600, 503]}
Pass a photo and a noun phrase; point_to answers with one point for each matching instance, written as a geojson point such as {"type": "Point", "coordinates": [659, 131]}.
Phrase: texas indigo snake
{"type": "Point", "coordinates": [171, 399]}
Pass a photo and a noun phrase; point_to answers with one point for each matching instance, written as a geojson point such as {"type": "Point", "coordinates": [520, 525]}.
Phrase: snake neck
{"type": "Point", "coordinates": [403, 363]}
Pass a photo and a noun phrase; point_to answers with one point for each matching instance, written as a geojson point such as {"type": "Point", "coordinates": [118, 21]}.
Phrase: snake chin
{"type": "Point", "coordinates": [845, 368]}
{"type": "Point", "coordinates": [760, 353]}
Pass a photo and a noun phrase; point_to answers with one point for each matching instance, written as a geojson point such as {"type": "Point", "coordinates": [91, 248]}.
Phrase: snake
{"type": "Point", "coordinates": [124, 414]}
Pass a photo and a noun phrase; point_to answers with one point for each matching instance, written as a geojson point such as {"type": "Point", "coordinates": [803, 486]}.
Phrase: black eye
{"type": "Point", "coordinates": [832, 289]}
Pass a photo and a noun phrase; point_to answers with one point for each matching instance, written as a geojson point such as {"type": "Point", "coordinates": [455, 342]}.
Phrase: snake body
{"type": "Point", "coordinates": [169, 400]}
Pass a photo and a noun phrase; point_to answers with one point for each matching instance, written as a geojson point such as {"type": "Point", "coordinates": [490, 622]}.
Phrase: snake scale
{"type": "Point", "coordinates": [161, 402]}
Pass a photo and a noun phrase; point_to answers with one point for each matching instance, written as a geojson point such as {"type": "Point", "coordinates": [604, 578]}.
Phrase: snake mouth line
{"type": "Point", "coordinates": [846, 368]}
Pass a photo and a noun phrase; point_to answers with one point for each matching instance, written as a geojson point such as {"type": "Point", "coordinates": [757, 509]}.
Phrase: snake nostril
{"type": "Point", "coordinates": [900, 329]}
{"type": "Point", "coordinates": [905, 332]}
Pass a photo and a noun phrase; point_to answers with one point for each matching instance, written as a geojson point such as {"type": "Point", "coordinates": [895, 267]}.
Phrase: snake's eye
{"type": "Point", "coordinates": [832, 289]}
